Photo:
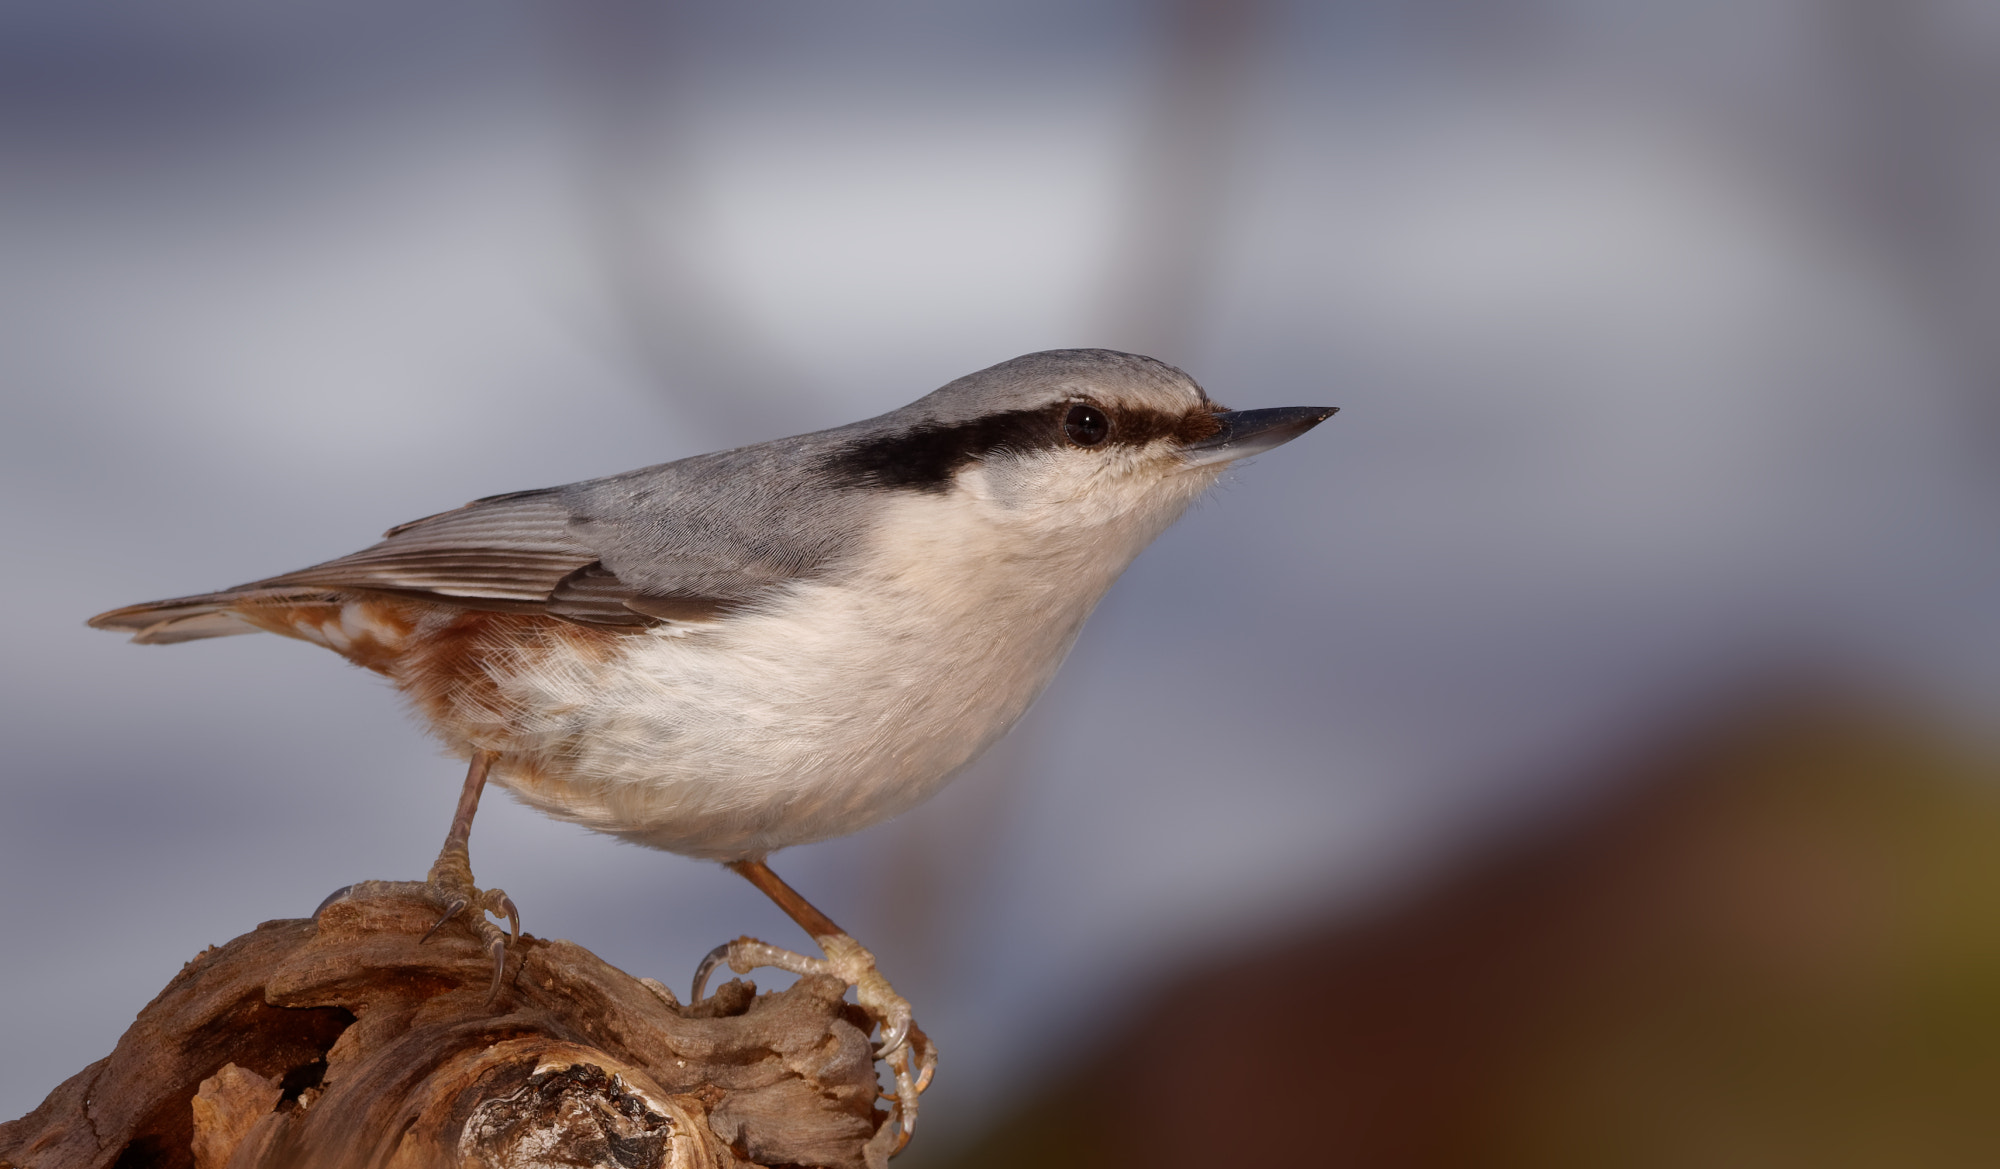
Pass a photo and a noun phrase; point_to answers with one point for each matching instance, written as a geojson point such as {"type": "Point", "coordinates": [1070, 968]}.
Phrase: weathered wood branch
{"type": "Point", "coordinates": [350, 1045]}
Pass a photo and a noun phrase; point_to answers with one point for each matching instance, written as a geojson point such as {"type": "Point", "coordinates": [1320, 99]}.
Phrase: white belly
{"type": "Point", "coordinates": [833, 708]}
{"type": "Point", "coordinates": [776, 729]}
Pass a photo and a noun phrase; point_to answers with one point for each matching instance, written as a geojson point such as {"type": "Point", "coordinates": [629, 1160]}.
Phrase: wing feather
{"type": "Point", "coordinates": [514, 547]}
{"type": "Point", "coordinates": [684, 542]}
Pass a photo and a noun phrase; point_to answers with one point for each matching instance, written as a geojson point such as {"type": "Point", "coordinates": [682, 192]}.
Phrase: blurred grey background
{"type": "Point", "coordinates": [1667, 337]}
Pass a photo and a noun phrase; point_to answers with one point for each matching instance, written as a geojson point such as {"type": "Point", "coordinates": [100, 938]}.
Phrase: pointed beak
{"type": "Point", "coordinates": [1252, 432]}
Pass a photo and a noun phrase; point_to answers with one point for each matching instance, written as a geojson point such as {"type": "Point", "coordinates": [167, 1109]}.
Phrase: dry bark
{"type": "Point", "coordinates": [350, 1045]}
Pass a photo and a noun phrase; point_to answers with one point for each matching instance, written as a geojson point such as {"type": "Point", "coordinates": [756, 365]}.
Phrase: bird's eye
{"type": "Point", "coordinates": [1086, 425]}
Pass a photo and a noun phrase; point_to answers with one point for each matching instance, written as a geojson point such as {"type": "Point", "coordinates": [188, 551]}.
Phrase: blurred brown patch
{"type": "Point", "coordinates": [1780, 946]}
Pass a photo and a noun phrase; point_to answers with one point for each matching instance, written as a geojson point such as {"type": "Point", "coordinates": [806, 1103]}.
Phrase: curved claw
{"type": "Point", "coordinates": [716, 957]}
{"type": "Point", "coordinates": [499, 948]}
{"type": "Point", "coordinates": [452, 910]}
{"type": "Point", "coordinates": [929, 1058]}
{"type": "Point", "coordinates": [895, 1036]}
{"type": "Point", "coordinates": [332, 897]}
{"type": "Point", "coordinates": [505, 905]}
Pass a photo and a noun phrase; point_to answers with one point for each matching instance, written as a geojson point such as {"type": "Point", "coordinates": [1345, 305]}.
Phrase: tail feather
{"type": "Point", "coordinates": [194, 618]}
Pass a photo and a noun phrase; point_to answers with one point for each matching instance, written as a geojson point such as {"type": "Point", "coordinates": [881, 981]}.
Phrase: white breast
{"type": "Point", "coordinates": [838, 705]}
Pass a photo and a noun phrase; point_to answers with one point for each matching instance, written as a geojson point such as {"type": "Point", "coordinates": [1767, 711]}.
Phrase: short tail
{"type": "Point", "coordinates": [193, 618]}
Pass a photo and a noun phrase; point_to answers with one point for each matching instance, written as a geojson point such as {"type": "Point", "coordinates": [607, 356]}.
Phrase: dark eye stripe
{"type": "Point", "coordinates": [925, 458]}
{"type": "Point", "coordinates": [1139, 427]}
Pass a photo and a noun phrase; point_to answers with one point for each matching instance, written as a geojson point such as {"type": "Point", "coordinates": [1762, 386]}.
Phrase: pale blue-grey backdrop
{"type": "Point", "coordinates": [1663, 333]}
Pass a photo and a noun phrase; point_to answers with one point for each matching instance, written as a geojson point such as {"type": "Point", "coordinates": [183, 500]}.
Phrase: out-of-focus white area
{"type": "Point", "coordinates": [1664, 338]}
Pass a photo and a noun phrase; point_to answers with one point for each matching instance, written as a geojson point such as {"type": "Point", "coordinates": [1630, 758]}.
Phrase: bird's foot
{"type": "Point", "coordinates": [908, 1051]}
{"type": "Point", "coordinates": [449, 887]}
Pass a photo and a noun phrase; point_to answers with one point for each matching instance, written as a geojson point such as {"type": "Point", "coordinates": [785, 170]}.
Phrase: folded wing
{"type": "Point", "coordinates": [516, 553]}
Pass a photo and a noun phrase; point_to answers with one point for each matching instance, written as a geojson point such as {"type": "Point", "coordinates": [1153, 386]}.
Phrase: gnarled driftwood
{"type": "Point", "coordinates": [349, 1045]}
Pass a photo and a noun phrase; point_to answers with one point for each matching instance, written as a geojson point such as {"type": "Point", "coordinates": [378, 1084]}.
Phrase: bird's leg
{"type": "Point", "coordinates": [904, 1045]}
{"type": "Point", "coordinates": [451, 874]}
{"type": "Point", "coordinates": [449, 884]}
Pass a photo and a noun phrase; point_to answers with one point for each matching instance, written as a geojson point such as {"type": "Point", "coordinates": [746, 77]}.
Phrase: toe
{"type": "Point", "coordinates": [907, 1092]}
{"type": "Point", "coordinates": [913, 1066]}
{"type": "Point", "coordinates": [506, 908]}
{"type": "Point", "coordinates": [746, 954]}
{"type": "Point", "coordinates": [889, 1009]}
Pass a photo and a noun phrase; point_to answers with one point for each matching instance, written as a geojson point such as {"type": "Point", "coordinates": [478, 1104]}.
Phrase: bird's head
{"type": "Point", "coordinates": [1069, 440]}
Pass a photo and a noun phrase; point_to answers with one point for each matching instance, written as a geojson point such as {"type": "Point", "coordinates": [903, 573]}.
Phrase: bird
{"type": "Point", "coordinates": [743, 651]}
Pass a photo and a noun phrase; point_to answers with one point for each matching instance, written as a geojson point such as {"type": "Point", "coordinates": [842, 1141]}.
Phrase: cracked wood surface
{"type": "Point", "coordinates": [351, 1046]}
